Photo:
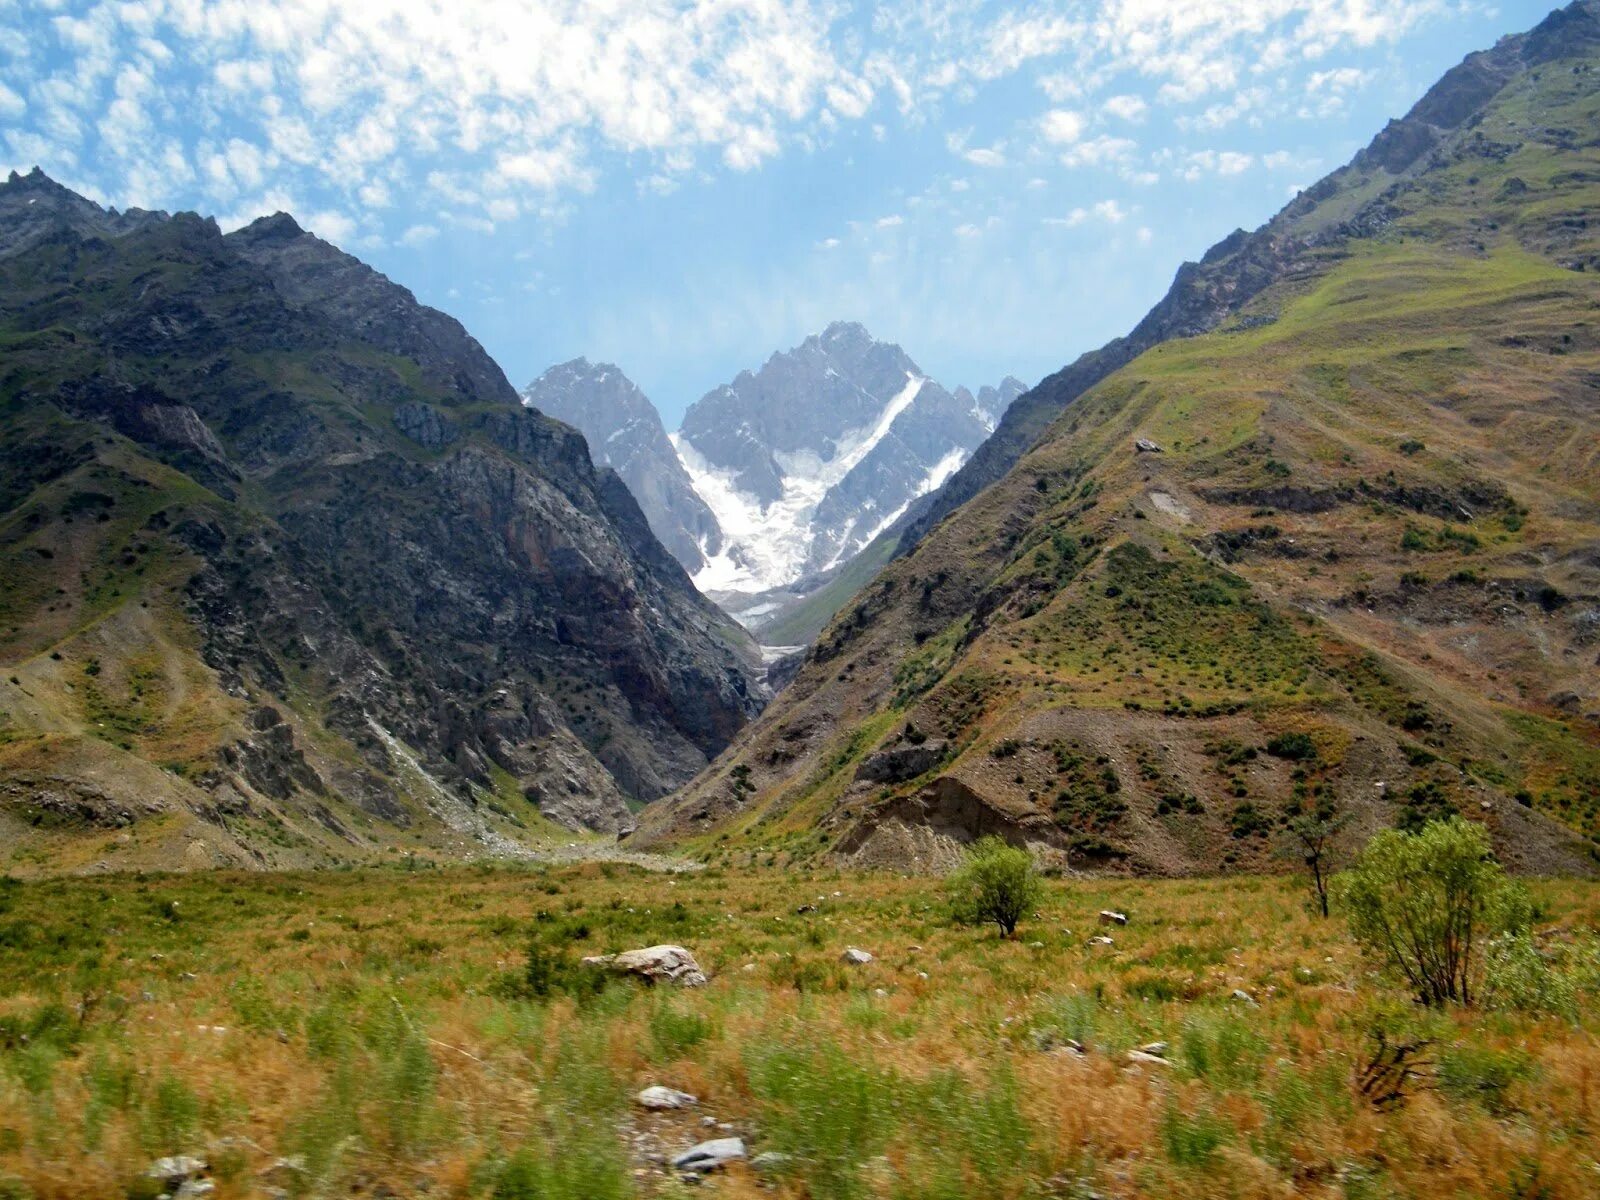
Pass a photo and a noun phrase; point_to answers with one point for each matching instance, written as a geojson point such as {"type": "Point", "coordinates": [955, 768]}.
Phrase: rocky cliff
{"type": "Point", "coordinates": [625, 433]}
{"type": "Point", "coordinates": [291, 575]}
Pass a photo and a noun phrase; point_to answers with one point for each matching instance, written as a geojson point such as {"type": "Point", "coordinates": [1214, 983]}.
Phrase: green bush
{"type": "Point", "coordinates": [997, 883]}
{"type": "Point", "coordinates": [1520, 975]}
{"type": "Point", "coordinates": [1483, 1075]}
{"type": "Point", "coordinates": [1293, 746]}
{"type": "Point", "coordinates": [1426, 903]}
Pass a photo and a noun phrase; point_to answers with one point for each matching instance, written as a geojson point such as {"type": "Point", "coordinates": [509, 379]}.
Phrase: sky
{"type": "Point", "coordinates": [684, 188]}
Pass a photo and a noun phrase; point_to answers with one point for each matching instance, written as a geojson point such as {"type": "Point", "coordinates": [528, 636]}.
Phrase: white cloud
{"type": "Point", "coordinates": [1128, 107]}
{"type": "Point", "coordinates": [978, 156]}
{"type": "Point", "coordinates": [530, 91]}
{"type": "Point", "coordinates": [1199, 163]}
{"type": "Point", "coordinates": [1062, 125]}
{"type": "Point", "coordinates": [1107, 211]}
{"type": "Point", "coordinates": [890, 221]}
{"type": "Point", "coordinates": [1102, 151]}
{"type": "Point", "coordinates": [418, 235]}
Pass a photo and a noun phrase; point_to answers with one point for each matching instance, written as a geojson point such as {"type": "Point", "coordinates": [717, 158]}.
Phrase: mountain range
{"type": "Point", "coordinates": [1321, 533]}
{"type": "Point", "coordinates": [289, 575]}
{"type": "Point", "coordinates": [782, 476]}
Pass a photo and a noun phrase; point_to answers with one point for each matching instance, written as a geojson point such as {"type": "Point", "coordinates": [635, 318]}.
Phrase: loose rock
{"type": "Point", "coordinates": [710, 1156]}
{"type": "Point", "coordinates": [672, 964]}
{"type": "Point", "coordinates": [856, 957]}
{"type": "Point", "coordinates": [658, 1098]}
{"type": "Point", "coordinates": [1107, 917]}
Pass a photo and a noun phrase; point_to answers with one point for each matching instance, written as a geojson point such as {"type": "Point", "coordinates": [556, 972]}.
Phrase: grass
{"type": "Point", "coordinates": [375, 1030]}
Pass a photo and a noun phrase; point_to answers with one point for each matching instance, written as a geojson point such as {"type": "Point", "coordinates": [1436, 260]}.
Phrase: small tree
{"type": "Point", "coordinates": [1312, 837]}
{"type": "Point", "coordinates": [1424, 903]}
{"type": "Point", "coordinates": [996, 883]}
{"type": "Point", "coordinates": [739, 783]}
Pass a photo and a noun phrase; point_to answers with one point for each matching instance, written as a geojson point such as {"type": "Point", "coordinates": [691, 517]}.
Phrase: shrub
{"type": "Point", "coordinates": [1296, 746]}
{"type": "Point", "coordinates": [1484, 1075]}
{"type": "Point", "coordinates": [996, 883]}
{"type": "Point", "coordinates": [1425, 903]}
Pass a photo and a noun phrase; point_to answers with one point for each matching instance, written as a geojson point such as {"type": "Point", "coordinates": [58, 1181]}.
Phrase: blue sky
{"type": "Point", "coordinates": [683, 188]}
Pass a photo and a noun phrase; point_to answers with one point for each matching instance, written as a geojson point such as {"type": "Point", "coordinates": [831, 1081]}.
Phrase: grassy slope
{"type": "Point", "coordinates": [367, 1024]}
{"type": "Point", "coordinates": [1373, 523]}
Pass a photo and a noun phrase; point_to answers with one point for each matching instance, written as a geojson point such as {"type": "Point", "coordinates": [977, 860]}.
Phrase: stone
{"type": "Point", "coordinates": [770, 1161]}
{"type": "Point", "coordinates": [1244, 997]}
{"type": "Point", "coordinates": [1158, 1049]}
{"type": "Point", "coordinates": [710, 1156]}
{"type": "Point", "coordinates": [176, 1170]}
{"type": "Point", "coordinates": [1107, 917]}
{"type": "Point", "coordinates": [659, 1098]}
{"type": "Point", "coordinates": [1101, 940]}
{"type": "Point", "coordinates": [1139, 1056]}
{"type": "Point", "coordinates": [1146, 446]}
{"type": "Point", "coordinates": [656, 964]}
{"type": "Point", "coordinates": [856, 957]}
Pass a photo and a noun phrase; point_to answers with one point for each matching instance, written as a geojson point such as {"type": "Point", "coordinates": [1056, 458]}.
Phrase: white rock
{"type": "Point", "coordinates": [658, 1098]}
{"type": "Point", "coordinates": [709, 1156]}
{"type": "Point", "coordinates": [1101, 940]}
{"type": "Point", "coordinates": [672, 964]}
{"type": "Point", "coordinates": [1139, 1056]}
{"type": "Point", "coordinates": [1107, 917]}
{"type": "Point", "coordinates": [856, 957]}
{"type": "Point", "coordinates": [178, 1166]}
{"type": "Point", "coordinates": [1244, 997]}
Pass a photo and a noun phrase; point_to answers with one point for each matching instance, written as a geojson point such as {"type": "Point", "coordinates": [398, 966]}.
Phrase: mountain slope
{"type": "Point", "coordinates": [625, 433]}
{"type": "Point", "coordinates": [1323, 528]}
{"type": "Point", "coordinates": [1352, 202]}
{"type": "Point", "coordinates": [289, 575]}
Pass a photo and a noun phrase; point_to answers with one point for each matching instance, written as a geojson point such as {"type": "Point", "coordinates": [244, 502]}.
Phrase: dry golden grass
{"type": "Point", "coordinates": [377, 1025]}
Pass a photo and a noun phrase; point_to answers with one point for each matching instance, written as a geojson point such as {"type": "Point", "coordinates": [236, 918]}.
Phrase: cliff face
{"type": "Point", "coordinates": [625, 433]}
{"type": "Point", "coordinates": [1320, 531]}
{"type": "Point", "coordinates": [289, 536]}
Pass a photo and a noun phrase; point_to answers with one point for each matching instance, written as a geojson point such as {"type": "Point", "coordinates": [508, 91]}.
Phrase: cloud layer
{"type": "Point", "coordinates": [397, 117]}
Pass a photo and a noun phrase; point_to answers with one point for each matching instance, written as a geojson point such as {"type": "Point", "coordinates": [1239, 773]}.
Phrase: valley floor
{"type": "Point", "coordinates": [385, 1033]}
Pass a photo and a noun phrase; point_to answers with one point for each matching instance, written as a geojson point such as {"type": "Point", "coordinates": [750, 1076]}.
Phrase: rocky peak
{"type": "Point", "coordinates": [624, 432]}
{"type": "Point", "coordinates": [34, 207]}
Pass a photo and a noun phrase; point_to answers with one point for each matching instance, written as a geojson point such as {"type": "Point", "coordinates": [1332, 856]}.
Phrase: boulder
{"type": "Point", "coordinates": [1107, 917]}
{"type": "Point", "coordinates": [655, 964]}
{"type": "Point", "coordinates": [856, 958]}
{"type": "Point", "coordinates": [710, 1156]}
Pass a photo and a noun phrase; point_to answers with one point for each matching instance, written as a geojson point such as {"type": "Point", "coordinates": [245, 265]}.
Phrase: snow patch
{"type": "Point", "coordinates": [765, 548]}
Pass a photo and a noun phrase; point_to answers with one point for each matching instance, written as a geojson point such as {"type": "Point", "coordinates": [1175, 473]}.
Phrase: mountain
{"type": "Point", "coordinates": [1322, 529]}
{"type": "Point", "coordinates": [289, 575]}
{"type": "Point", "coordinates": [777, 481]}
{"type": "Point", "coordinates": [808, 459]}
{"type": "Point", "coordinates": [625, 433]}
